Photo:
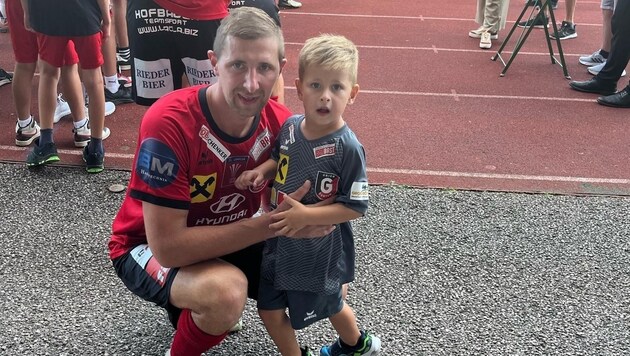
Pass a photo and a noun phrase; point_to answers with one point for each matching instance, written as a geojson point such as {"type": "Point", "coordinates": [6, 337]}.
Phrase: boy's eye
{"type": "Point", "coordinates": [314, 85]}
{"type": "Point", "coordinates": [337, 87]}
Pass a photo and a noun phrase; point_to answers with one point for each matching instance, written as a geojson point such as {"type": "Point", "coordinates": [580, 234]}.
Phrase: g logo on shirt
{"type": "Point", "coordinates": [156, 163]}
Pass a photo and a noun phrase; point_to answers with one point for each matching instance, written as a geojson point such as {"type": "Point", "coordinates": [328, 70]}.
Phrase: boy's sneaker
{"type": "Point", "coordinates": [478, 32]}
{"type": "Point", "coordinates": [565, 32]}
{"type": "Point", "coordinates": [594, 70]}
{"type": "Point", "coordinates": [537, 21]}
{"type": "Point", "coordinates": [306, 351]}
{"type": "Point", "coordinates": [592, 59]}
{"type": "Point", "coordinates": [485, 41]}
{"type": "Point", "coordinates": [109, 108]}
{"type": "Point", "coordinates": [368, 345]}
{"type": "Point", "coordinates": [289, 4]}
{"type": "Point", "coordinates": [83, 134]}
{"type": "Point", "coordinates": [121, 96]}
{"type": "Point", "coordinates": [62, 109]}
{"type": "Point", "coordinates": [5, 77]}
{"type": "Point", "coordinates": [24, 136]}
{"type": "Point", "coordinates": [44, 154]}
{"type": "Point", "coordinates": [93, 161]}
{"type": "Point", "coordinates": [124, 63]}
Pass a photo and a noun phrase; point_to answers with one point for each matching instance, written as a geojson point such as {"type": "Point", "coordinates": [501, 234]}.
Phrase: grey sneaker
{"type": "Point", "coordinates": [594, 70]}
{"type": "Point", "coordinates": [592, 59]}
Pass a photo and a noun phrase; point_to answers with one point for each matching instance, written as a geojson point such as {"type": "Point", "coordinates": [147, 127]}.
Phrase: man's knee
{"type": "Point", "coordinates": [223, 299]}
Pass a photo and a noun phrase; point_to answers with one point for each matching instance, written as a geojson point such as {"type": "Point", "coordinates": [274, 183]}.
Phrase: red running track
{"type": "Point", "coordinates": [433, 111]}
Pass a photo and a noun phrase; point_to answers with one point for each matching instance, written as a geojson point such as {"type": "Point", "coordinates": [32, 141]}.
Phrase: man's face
{"type": "Point", "coordinates": [247, 72]}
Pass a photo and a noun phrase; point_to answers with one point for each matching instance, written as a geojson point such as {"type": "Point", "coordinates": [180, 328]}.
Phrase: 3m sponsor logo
{"type": "Point", "coordinates": [156, 163]}
{"type": "Point", "coordinates": [359, 191]}
{"type": "Point", "coordinates": [234, 166]}
{"type": "Point", "coordinates": [202, 188]}
{"type": "Point", "coordinates": [283, 169]}
{"type": "Point", "coordinates": [227, 203]}
{"type": "Point", "coordinates": [327, 185]}
{"type": "Point", "coordinates": [324, 151]}
{"type": "Point", "coordinates": [263, 142]}
{"type": "Point", "coordinates": [214, 145]}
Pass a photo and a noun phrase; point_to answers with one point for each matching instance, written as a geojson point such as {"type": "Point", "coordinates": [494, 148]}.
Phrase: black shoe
{"type": "Point", "coordinates": [594, 86]}
{"type": "Point", "coordinates": [554, 4]}
{"type": "Point", "coordinates": [565, 32]}
{"type": "Point", "coordinates": [93, 161]}
{"type": "Point", "coordinates": [43, 154]}
{"type": "Point", "coordinates": [122, 96]}
{"type": "Point", "coordinates": [537, 21]}
{"type": "Point", "coordinates": [289, 4]}
{"type": "Point", "coordinates": [620, 99]}
{"type": "Point", "coordinates": [5, 77]}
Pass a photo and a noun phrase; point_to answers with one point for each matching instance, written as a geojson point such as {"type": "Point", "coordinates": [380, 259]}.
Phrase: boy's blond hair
{"type": "Point", "coordinates": [333, 52]}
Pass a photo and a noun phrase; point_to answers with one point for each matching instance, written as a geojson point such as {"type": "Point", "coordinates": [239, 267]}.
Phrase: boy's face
{"type": "Point", "coordinates": [247, 72]}
{"type": "Point", "coordinates": [325, 94]}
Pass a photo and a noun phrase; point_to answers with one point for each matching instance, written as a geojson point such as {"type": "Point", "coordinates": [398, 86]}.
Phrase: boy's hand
{"type": "Point", "coordinates": [248, 179]}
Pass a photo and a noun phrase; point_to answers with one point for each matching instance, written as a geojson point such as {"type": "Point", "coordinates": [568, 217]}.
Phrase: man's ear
{"type": "Point", "coordinates": [283, 62]}
{"type": "Point", "coordinates": [213, 59]}
{"type": "Point", "coordinates": [353, 93]}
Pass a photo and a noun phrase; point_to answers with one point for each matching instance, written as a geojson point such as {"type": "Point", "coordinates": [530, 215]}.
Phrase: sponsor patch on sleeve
{"type": "Point", "coordinates": [359, 191]}
{"type": "Point", "coordinates": [156, 163]}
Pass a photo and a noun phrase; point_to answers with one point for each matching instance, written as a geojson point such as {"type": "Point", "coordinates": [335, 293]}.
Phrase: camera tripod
{"type": "Point", "coordinates": [535, 4]}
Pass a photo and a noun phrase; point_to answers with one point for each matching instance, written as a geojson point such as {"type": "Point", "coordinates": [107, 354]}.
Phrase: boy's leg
{"type": "Point", "coordinates": [22, 88]}
{"type": "Point", "coordinates": [345, 323]}
{"type": "Point", "coordinates": [47, 93]}
{"type": "Point", "coordinates": [279, 328]}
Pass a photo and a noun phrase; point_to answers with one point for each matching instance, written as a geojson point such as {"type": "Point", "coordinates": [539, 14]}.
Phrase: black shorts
{"type": "Point", "coordinates": [143, 275]}
{"type": "Point", "coordinates": [164, 47]}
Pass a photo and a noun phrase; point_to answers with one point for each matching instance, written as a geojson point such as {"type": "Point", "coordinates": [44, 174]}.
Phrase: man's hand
{"type": "Point", "coordinates": [307, 231]}
{"type": "Point", "coordinates": [292, 220]}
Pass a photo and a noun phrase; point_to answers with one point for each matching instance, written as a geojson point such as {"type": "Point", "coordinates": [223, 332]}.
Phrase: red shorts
{"type": "Point", "coordinates": [52, 49]}
{"type": "Point", "coordinates": [24, 42]}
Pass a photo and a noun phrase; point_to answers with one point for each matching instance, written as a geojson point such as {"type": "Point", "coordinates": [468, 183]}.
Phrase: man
{"type": "Point", "coordinates": [183, 237]}
{"type": "Point", "coordinates": [605, 82]}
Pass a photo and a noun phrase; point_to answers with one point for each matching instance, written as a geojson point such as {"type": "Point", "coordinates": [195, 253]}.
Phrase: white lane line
{"type": "Point", "coordinates": [419, 17]}
{"type": "Point", "coordinates": [415, 172]}
{"type": "Point", "coordinates": [459, 95]}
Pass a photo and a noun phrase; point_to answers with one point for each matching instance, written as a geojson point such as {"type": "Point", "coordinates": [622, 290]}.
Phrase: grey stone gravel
{"type": "Point", "coordinates": [440, 272]}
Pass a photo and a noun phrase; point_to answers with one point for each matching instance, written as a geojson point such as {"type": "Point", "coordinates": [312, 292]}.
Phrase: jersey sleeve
{"type": "Point", "coordinates": [353, 192]}
{"type": "Point", "coordinates": [161, 164]}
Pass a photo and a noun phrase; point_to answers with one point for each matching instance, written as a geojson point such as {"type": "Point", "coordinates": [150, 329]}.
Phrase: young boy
{"type": "Point", "coordinates": [57, 24]}
{"type": "Point", "coordinates": [307, 275]}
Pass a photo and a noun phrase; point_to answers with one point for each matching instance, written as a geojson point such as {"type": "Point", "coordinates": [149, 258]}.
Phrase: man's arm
{"type": "Point", "coordinates": [175, 244]}
{"type": "Point", "coordinates": [105, 26]}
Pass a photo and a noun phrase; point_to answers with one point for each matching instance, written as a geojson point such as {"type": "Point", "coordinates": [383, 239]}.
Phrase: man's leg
{"type": "Point", "coordinates": [620, 44]}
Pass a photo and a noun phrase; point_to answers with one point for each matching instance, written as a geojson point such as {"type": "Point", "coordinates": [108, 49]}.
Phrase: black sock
{"type": "Point", "coordinates": [46, 136]}
{"type": "Point", "coordinates": [604, 53]}
{"type": "Point", "coordinates": [95, 146]}
{"type": "Point", "coordinates": [355, 346]}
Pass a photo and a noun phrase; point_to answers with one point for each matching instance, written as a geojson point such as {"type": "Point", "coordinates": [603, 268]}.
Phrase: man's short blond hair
{"type": "Point", "coordinates": [247, 23]}
{"type": "Point", "coordinates": [333, 52]}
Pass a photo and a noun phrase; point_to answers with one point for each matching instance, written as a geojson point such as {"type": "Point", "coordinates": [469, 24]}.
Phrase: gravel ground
{"type": "Point", "coordinates": [440, 272]}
